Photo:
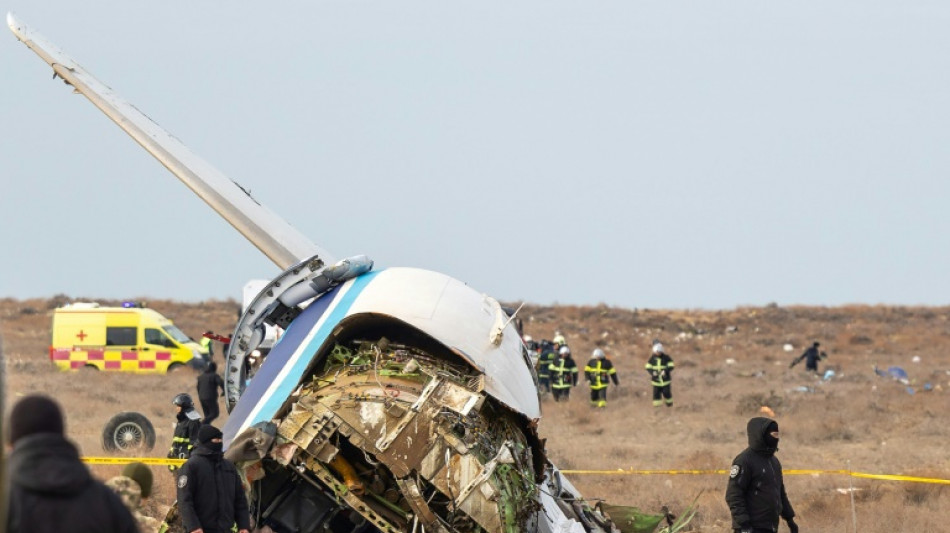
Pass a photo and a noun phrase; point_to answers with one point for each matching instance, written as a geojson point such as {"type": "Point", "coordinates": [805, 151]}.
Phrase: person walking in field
{"type": "Point", "coordinates": [209, 382]}
{"type": "Point", "coordinates": [755, 491]}
{"type": "Point", "coordinates": [563, 374]}
{"type": "Point", "coordinates": [660, 368]}
{"type": "Point", "coordinates": [811, 357]}
{"type": "Point", "coordinates": [599, 371]}
{"type": "Point", "coordinates": [547, 355]}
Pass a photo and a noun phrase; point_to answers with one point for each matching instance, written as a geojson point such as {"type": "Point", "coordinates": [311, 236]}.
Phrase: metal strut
{"type": "Point", "coordinates": [278, 304]}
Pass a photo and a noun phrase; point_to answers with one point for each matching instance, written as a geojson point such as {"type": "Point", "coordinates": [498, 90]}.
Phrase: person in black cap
{"type": "Point", "coordinates": [50, 488]}
{"type": "Point", "coordinates": [208, 384]}
{"type": "Point", "coordinates": [755, 491]}
{"type": "Point", "coordinates": [210, 495]}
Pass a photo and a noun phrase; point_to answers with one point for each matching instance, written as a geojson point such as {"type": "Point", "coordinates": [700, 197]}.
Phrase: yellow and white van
{"type": "Point", "coordinates": [122, 339]}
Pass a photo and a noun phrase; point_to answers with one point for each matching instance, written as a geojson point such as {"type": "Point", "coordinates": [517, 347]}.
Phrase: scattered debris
{"type": "Point", "coordinates": [788, 347]}
{"type": "Point", "coordinates": [915, 359]}
{"type": "Point", "coordinates": [894, 372]}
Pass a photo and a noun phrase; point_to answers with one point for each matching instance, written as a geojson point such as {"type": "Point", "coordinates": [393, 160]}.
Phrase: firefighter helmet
{"type": "Point", "coordinates": [564, 350]}
{"type": "Point", "coordinates": [559, 339]}
{"type": "Point", "coordinates": [657, 348]}
{"type": "Point", "coordinates": [183, 400]}
{"type": "Point", "coordinates": [598, 354]}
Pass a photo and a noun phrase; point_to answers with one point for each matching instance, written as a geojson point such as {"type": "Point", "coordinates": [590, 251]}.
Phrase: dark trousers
{"type": "Point", "coordinates": [665, 392]}
{"type": "Point", "coordinates": [209, 406]}
{"type": "Point", "coordinates": [561, 393]}
{"type": "Point", "coordinates": [544, 383]}
{"type": "Point", "coordinates": [598, 397]}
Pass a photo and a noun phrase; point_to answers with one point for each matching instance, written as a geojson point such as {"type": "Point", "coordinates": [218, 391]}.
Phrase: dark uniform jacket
{"type": "Point", "coordinates": [544, 361]}
{"type": "Point", "coordinates": [660, 367]}
{"type": "Point", "coordinates": [51, 490]}
{"type": "Point", "coordinates": [563, 373]}
{"type": "Point", "coordinates": [186, 434]}
{"type": "Point", "coordinates": [210, 494]}
{"type": "Point", "coordinates": [597, 372]}
{"type": "Point", "coordinates": [208, 384]}
{"type": "Point", "coordinates": [756, 491]}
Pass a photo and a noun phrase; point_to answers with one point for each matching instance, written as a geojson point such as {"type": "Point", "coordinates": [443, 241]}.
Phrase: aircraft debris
{"type": "Point", "coordinates": [404, 437]}
{"type": "Point", "coordinates": [894, 372]}
{"type": "Point", "coordinates": [128, 431]}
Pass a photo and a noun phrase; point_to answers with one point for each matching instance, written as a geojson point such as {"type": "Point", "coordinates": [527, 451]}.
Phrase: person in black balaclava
{"type": "Point", "coordinates": [756, 492]}
{"type": "Point", "coordinates": [50, 488]}
{"type": "Point", "coordinates": [210, 495]}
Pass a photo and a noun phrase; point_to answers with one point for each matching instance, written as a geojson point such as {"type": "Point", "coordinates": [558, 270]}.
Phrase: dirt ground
{"type": "Point", "coordinates": [729, 364]}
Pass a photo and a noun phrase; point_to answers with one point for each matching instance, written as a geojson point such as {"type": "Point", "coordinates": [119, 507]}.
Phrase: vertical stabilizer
{"type": "Point", "coordinates": [279, 241]}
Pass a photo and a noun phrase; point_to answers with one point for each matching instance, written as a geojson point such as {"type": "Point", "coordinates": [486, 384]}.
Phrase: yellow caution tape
{"type": "Point", "coordinates": [618, 472]}
{"type": "Point", "coordinates": [126, 460]}
{"type": "Point", "coordinates": [864, 475]}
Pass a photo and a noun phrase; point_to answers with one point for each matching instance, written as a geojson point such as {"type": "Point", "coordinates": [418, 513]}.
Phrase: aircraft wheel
{"type": "Point", "coordinates": [128, 431]}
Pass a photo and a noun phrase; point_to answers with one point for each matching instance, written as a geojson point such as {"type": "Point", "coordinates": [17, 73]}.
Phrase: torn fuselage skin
{"type": "Point", "coordinates": [397, 436]}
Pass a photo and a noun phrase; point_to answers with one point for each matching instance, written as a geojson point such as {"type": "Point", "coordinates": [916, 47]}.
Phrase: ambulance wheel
{"type": "Point", "coordinates": [127, 432]}
{"type": "Point", "coordinates": [173, 367]}
{"type": "Point", "coordinates": [89, 368]}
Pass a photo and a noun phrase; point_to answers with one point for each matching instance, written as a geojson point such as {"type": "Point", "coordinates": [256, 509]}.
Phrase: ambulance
{"type": "Point", "coordinates": [124, 339]}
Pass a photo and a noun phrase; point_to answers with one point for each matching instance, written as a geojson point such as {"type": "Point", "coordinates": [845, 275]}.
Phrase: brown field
{"type": "Point", "coordinates": [857, 418]}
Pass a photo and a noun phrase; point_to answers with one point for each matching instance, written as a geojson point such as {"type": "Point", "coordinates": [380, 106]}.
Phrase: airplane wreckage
{"type": "Point", "coordinates": [398, 400]}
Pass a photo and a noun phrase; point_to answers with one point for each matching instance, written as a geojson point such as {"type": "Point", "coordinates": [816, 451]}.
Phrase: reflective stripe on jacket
{"type": "Point", "coordinates": [660, 368]}
{"type": "Point", "coordinates": [598, 372]}
{"type": "Point", "coordinates": [563, 373]}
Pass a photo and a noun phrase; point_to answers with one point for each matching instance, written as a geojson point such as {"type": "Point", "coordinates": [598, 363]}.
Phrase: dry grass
{"type": "Point", "coordinates": [858, 417]}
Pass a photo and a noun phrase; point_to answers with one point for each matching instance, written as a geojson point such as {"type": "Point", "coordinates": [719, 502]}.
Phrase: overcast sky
{"type": "Point", "coordinates": [639, 154]}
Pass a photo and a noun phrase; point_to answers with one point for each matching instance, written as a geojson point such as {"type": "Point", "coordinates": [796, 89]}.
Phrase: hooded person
{"type": "Point", "coordinates": [50, 488]}
{"type": "Point", "coordinates": [755, 492]}
{"type": "Point", "coordinates": [210, 494]}
{"type": "Point", "coordinates": [209, 382]}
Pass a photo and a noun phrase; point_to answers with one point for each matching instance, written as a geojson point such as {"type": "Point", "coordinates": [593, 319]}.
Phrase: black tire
{"type": "Point", "coordinates": [128, 431]}
{"type": "Point", "coordinates": [173, 367]}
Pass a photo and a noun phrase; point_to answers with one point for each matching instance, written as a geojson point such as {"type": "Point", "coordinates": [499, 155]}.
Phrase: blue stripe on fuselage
{"type": "Point", "coordinates": [288, 345]}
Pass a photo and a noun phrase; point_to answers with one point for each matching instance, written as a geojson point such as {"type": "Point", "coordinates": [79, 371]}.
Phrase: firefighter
{"type": "Point", "coordinates": [599, 371]}
{"type": "Point", "coordinates": [545, 358]}
{"type": "Point", "coordinates": [660, 368]}
{"type": "Point", "coordinates": [186, 429]}
{"type": "Point", "coordinates": [563, 374]}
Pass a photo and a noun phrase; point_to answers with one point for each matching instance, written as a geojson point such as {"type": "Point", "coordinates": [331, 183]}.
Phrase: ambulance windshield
{"type": "Point", "coordinates": [176, 334]}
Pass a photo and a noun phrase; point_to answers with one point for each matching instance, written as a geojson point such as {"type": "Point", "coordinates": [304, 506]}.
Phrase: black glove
{"type": "Point", "coordinates": [792, 526]}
